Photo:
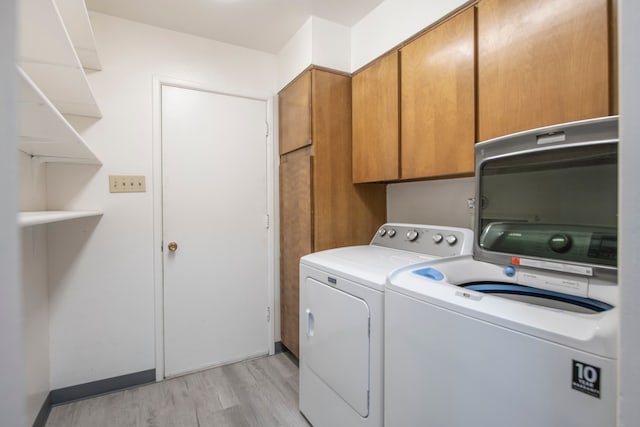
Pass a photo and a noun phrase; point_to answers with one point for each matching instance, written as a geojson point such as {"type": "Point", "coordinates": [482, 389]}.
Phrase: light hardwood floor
{"type": "Point", "coordinates": [260, 392]}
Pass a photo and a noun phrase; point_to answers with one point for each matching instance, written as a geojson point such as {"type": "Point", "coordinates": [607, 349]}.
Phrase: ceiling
{"type": "Point", "coordinates": [264, 25]}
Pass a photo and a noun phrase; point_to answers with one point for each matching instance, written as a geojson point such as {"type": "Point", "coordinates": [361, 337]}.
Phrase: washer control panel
{"type": "Point", "coordinates": [425, 239]}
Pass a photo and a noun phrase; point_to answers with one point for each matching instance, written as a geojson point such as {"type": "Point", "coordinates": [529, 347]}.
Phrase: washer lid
{"type": "Point", "coordinates": [543, 297]}
{"type": "Point", "coordinates": [550, 194]}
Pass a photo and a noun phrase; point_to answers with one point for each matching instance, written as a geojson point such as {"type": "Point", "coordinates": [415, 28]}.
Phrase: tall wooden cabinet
{"type": "Point", "coordinates": [320, 208]}
{"type": "Point", "coordinates": [541, 62]}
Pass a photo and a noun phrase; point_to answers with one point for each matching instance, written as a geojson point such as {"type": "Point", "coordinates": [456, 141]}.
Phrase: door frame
{"type": "Point", "coordinates": [158, 278]}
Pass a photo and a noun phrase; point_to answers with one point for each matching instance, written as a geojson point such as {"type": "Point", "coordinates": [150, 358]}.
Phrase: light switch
{"type": "Point", "coordinates": [127, 184]}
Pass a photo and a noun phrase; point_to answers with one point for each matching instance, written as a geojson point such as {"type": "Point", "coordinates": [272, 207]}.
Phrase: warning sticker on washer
{"type": "Point", "coordinates": [586, 378]}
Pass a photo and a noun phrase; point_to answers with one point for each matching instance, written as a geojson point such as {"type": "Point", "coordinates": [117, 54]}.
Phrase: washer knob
{"type": "Point", "coordinates": [560, 243]}
{"type": "Point", "coordinates": [391, 232]}
{"type": "Point", "coordinates": [412, 235]}
{"type": "Point", "coordinates": [437, 238]}
{"type": "Point", "coordinates": [509, 271]}
{"type": "Point", "coordinates": [382, 232]}
{"type": "Point", "coordinates": [451, 239]}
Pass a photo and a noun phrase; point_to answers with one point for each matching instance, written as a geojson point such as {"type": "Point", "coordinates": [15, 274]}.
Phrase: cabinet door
{"type": "Point", "coordinates": [332, 186]}
{"type": "Point", "coordinates": [294, 103]}
{"type": "Point", "coordinates": [438, 100]}
{"type": "Point", "coordinates": [540, 62]}
{"type": "Point", "coordinates": [295, 237]}
{"type": "Point", "coordinates": [375, 121]}
{"type": "Point", "coordinates": [344, 214]}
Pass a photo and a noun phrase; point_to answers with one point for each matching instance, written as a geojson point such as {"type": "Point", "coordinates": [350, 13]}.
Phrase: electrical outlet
{"type": "Point", "coordinates": [127, 184]}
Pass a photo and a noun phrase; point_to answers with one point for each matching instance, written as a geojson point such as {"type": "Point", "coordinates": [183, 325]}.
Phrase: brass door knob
{"type": "Point", "coordinates": [172, 246]}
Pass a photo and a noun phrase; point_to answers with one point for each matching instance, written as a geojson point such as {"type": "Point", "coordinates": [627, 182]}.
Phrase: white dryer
{"type": "Point", "coordinates": [524, 332]}
{"type": "Point", "coordinates": [341, 319]}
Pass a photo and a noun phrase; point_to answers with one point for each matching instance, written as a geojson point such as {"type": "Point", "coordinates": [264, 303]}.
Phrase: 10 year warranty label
{"type": "Point", "coordinates": [586, 378]}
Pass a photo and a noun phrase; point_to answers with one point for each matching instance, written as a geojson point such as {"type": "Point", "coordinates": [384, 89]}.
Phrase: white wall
{"type": "Point", "coordinates": [629, 373]}
{"type": "Point", "coordinates": [35, 306]}
{"type": "Point", "coordinates": [296, 55]}
{"type": "Point", "coordinates": [33, 186]}
{"type": "Point", "coordinates": [327, 44]}
{"type": "Point", "coordinates": [101, 271]}
{"type": "Point", "coordinates": [12, 385]}
{"type": "Point", "coordinates": [331, 45]}
{"type": "Point", "coordinates": [35, 288]}
{"type": "Point", "coordinates": [438, 202]}
{"type": "Point", "coordinates": [391, 23]}
{"type": "Point", "coordinates": [318, 42]}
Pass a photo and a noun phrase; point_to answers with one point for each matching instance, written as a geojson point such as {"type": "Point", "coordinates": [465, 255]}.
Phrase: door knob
{"type": "Point", "coordinates": [172, 246]}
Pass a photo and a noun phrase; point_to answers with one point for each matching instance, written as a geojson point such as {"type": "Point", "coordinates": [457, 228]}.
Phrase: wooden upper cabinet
{"type": "Point", "coordinates": [295, 114]}
{"type": "Point", "coordinates": [438, 100]}
{"type": "Point", "coordinates": [541, 62]}
{"type": "Point", "coordinates": [376, 144]}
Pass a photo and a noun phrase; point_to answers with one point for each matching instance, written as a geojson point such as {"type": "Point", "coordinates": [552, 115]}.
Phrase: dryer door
{"type": "Point", "coordinates": [336, 325]}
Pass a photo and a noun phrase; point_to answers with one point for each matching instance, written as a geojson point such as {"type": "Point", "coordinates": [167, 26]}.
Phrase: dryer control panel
{"type": "Point", "coordinates": [431, 240]}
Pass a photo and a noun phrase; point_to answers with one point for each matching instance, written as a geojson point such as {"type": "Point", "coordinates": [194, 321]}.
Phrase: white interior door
{"type": "Point", "coordinates": [214, 202]}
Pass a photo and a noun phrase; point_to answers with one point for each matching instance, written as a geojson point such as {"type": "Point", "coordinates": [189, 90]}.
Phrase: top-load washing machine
{"type": "Point", "coordinates": [524, 332]}
{"type": "Point", "coordinates": [341, 319]}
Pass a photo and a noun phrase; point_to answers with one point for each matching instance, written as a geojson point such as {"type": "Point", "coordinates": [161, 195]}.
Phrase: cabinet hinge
{"type": "Point", "coordinates": [267, 126]}
{"type": "Point", "coordinates": [268, 314]}
{"type": "Point", "coordinates": [267, 221]}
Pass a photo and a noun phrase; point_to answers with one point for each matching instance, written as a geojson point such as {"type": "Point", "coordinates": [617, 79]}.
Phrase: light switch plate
{"type": "Point", "coordinates": [127, 184]}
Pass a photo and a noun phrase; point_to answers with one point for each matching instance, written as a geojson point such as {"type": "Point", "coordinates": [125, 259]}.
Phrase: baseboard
{"type": "Point", "coordinates": [96, 388]}
{"type": "Point", "coordinates": [281, 348]}
{"type": "Point", "coordinates": [43, 414]}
